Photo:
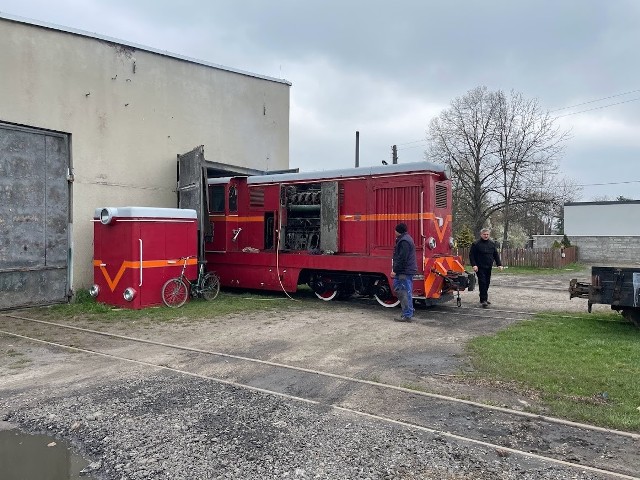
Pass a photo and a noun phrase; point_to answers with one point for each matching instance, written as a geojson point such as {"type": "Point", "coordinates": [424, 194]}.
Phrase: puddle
{"type": "Point", "coordinates": [27, 457]}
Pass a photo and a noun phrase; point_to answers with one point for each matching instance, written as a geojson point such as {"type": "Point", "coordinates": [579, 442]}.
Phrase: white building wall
{"type": "Point", "coordinates": [606, 233]}
{"type": "Point", "coordinates": [129, 111]}
{"type": "Point", "coordinates": [602, 218]}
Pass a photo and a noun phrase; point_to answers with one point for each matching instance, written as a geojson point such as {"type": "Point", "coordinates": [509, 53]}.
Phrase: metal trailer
{"type": "Point", "coordinates": [615, 286]}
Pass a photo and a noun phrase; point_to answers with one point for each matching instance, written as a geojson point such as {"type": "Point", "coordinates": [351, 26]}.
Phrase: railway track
{"type": "Point", "coordinates": [509, 432]}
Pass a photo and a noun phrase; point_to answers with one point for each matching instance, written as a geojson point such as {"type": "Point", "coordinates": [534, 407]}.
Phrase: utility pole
{"type": "Point", "coordinates": [394, 154]}
{"type": "Point", "coordinates": [357, 148]}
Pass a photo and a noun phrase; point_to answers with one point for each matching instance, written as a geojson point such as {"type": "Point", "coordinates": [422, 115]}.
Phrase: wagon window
{"type": "Point", "coordinates": [233, 198]}
{"type": "Point", "coordinates": [216, 198]}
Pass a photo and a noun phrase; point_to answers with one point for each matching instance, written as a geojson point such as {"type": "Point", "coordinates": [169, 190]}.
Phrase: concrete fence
{"type": "Point", "coordinates": [599, 250]}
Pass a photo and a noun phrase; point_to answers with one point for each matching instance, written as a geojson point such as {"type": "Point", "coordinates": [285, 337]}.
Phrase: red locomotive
{"type": "Point", "coordinates": [334, 231]}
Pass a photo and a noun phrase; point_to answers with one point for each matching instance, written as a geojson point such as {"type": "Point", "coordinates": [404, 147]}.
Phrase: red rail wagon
{"type": "Point", "coordinates": [334, 231]}
{"type": "Point", "coordinates": [137, 249]}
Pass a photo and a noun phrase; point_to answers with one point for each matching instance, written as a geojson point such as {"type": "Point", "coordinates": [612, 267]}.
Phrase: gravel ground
{"type": "Point", "coordinates": [171, 427]}
{"type": "Point", "coordinates": [134, 423]}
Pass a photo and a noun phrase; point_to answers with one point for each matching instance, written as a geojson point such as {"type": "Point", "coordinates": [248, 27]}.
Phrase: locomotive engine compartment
{"type": "Point", "coordinates": [310, 220]}
{"type": "Point", "coordinates": [302, 231]}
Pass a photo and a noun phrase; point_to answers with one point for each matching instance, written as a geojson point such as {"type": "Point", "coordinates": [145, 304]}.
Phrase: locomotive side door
{"type": "Point", "coordinates": [217, 217]}
{"type": "Point", "coordinates": [234, 230]}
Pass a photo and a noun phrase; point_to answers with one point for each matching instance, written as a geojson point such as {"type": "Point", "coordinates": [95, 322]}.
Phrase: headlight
{"type": "Point", "coordinates": [431, 243]}
{"type": "Point", "coordinates": [129, 294]}
{"type": "Point", "coordinates": [94, 291]}
{"type": "Point", "coordinates": [452, 242]}
{"type": "Point", "coordinates": [106, 216]}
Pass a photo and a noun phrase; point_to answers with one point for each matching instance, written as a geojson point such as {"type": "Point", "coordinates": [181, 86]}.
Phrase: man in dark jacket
{"type": "Point", "coordinates": [403, 269]}
{"type": "Point", "coordinates": [482, 254]}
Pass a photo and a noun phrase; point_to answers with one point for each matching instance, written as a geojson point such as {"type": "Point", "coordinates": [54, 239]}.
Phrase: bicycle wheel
{"type": "Point", "coordinates": [210, 286]}
{"type": "Point", "coordinates": [174, 293]}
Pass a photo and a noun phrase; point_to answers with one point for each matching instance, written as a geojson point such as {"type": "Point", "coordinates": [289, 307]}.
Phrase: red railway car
{"type": "Point", "coordinates": [334, 231]}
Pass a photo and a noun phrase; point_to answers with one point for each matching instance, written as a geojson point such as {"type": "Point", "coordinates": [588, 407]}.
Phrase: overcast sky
{"type": "Point", "coordinates": [386, 68]}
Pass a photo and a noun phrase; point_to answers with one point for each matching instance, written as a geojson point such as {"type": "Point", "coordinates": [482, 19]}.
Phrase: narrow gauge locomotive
{"type": "Point", "coordinates": [334, 231]}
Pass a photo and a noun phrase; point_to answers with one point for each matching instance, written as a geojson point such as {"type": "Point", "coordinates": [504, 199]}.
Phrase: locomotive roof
{"type": "Point", "coordinates": [342, 173]}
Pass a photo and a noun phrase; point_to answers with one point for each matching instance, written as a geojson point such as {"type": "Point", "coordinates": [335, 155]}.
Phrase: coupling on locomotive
{"type": "Point", "coordinates": [333, 231]}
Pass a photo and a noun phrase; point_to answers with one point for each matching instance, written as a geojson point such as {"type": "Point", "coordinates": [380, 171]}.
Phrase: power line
{"type": "Point", "coordinates": [407, 143]}
{"type": "Point", "coordinates": [559, 109]}
{"type": "Point", "coordinates": [598, 108]}
{"type": "Point", "coordinates": [415, 146]}
{"type": "Point", "coordinates": [607, 183]}
{"type": "Point", "coordinates": [594, 101]}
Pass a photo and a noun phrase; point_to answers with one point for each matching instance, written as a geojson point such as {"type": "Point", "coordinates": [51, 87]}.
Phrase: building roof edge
{"type": "Point", "coordinates": [83, 33]}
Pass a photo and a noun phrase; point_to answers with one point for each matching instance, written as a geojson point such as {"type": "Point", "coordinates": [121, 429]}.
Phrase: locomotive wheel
{"type": "Point", "coordinates": [327, 295]}
{"type": "Point", "coordinates": [174, 293]}
{"type": "Point", "coordinates": [387, 302]}
{"type": "Point", "coordinates": [633, 315]}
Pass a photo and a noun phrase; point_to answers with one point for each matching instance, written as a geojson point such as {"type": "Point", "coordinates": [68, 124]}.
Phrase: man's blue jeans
{"type": "Point", "coordinates": [403, 288]}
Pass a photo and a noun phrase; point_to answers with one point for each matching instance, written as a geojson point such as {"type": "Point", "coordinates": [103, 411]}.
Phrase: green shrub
{"type": "Point", "coordinates": [83, 297]}
{"type": "Point", "coordinates": [464, 238]}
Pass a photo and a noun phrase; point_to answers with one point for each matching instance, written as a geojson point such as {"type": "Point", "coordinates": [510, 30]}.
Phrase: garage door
{"type": "Point", "coordinates": [34, 217]}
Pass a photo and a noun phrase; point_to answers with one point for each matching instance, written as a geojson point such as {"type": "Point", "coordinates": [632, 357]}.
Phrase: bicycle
{"type": "Point", "coordinates": [175, 291]}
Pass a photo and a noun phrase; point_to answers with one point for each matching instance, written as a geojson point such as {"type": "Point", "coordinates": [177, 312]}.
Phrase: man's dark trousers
{"type": "Point", "coordinates": [484, 278]}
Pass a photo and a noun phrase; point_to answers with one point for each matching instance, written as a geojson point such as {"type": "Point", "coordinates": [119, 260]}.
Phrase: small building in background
{"type": "Point", "coordinates": [604, 232]}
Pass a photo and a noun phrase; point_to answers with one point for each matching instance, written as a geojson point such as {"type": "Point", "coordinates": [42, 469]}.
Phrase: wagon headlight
{"type": "Point", "coordinates": [129, 294]}
{"type": "Point", "coordinates": [431, 243]}
{"type": "Point", "coordinates": [106, 216]}
{"type": "Point", "coordinates": [94, 291]}
{"type": "Point", "coordinates": [452, 242]}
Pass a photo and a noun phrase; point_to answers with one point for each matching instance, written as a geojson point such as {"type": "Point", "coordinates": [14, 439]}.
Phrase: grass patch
{"type": "Point", "coordinates": [86, 308]}
{"type": "Point", "coordinates": [585, 367]}
{"type": "Point", "coordinates": [572, 267]}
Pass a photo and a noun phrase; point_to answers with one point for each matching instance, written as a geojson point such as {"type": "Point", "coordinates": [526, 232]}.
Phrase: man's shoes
{"type": "Point", "coordinates": [485, 304]}
{"type": "Point", "coordinates": [403, 319]}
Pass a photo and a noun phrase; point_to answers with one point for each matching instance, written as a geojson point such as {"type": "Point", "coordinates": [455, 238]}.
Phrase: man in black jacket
{"type": "Point", "coordinates": [403, 269]}
{"type": "Point", "coordinates": [482, 254]}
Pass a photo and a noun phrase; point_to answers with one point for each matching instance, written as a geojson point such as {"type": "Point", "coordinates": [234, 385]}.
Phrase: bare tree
{"type": "Point", "coordinates": [463, 137]}
{"type": "Point", "coordinates": [503, 153]}
{"type": "Point", "coordinates": [529, 146]}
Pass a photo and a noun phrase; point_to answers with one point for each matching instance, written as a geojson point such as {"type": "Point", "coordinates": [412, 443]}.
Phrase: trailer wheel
{"type": "Point", "coordinates": [633, 315]}
{"type": "Point", "coordinates": [174, 293]}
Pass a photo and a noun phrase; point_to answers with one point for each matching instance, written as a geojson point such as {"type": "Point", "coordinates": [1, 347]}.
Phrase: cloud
{"type": "Point", "coordinates": [386, 68]}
